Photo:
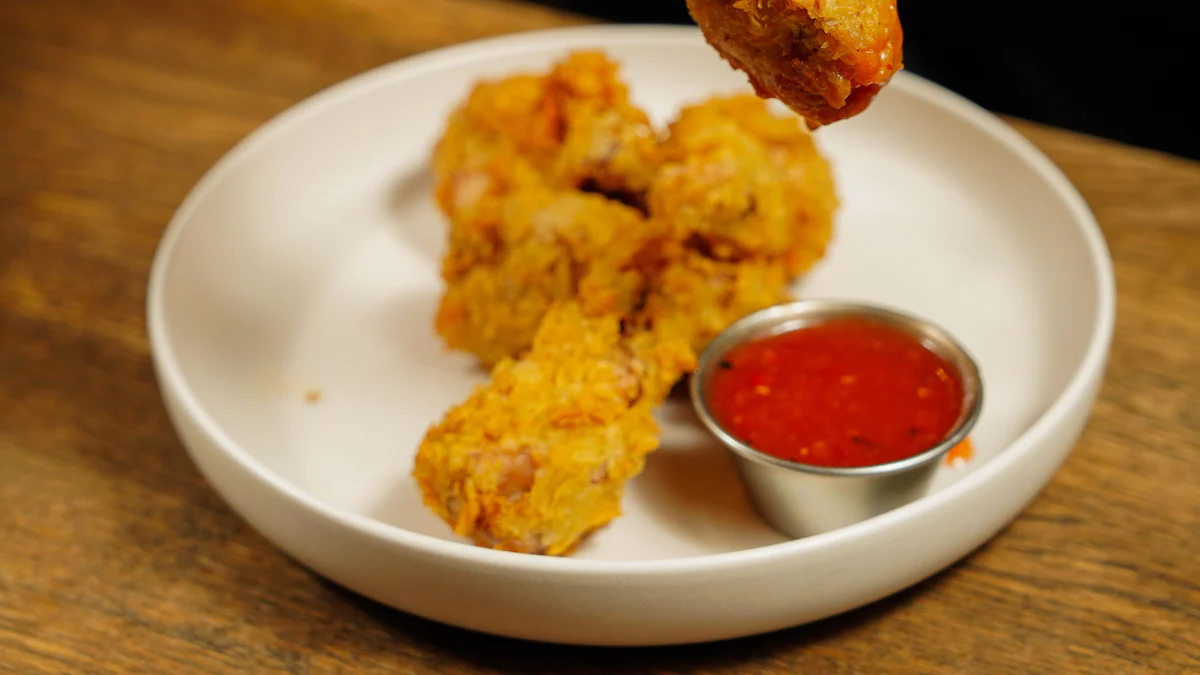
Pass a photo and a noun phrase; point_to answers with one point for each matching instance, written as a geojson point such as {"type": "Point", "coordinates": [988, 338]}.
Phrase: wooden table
{"type": "Point", "coordinates": [116, 557]}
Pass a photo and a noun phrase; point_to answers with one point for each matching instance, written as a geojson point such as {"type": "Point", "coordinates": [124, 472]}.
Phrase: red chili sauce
{"type": "Point", "coordinates": [846, 393]}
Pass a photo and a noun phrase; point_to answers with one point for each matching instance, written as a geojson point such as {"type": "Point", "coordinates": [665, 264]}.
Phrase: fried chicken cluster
{"type": "Point", "coordinates": [589, 262]}
{"type": "Point", "coordinates": [826, 59]}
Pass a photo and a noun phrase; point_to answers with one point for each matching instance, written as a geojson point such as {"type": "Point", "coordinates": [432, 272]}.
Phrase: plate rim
{"type": "Point", "coordinates": [603, 36]}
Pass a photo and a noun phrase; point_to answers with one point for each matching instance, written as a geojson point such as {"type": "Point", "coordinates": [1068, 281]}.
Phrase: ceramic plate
{"type": "Point", "coordinates": [290, 313]}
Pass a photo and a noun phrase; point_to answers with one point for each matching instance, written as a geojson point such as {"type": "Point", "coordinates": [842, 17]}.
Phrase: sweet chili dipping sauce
{"type": "Point", "coordinates": [846, 393]}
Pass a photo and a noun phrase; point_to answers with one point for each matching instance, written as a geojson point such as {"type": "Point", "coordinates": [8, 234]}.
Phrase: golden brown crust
{"type": "Point", "coordinates": [746, 183]}
{"type": "Point", "coordinates": [539, 456]}
{"type": "Point", "coordinates": [731, 179]}
{"type": "Point", "coordinates": [570, 128]}
{"type": "Point", "coordinates": [592, 309]}
{"type": "Point", "coordinates": [532, 249]}
{"type": "Point", "coordinates": [825, 59]}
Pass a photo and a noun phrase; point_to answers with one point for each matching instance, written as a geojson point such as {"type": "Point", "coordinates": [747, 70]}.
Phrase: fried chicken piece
{"type": "Point", "coordinates": [539, 456]}
{"type": "Point", "coordinates": [504, 271]}
{"type": "Point", "coordinates": [695, 297]}
{"type": "Point", "coordinates": [573, 127]}
{"type": "Point", "coordinates": [745, 183]}
{"type": "Point", "coordinates": [615, 304]}
{"type": "Point", "coordinates": [825, 59]}
{"type": "Point", "coordinates": [736, 182]}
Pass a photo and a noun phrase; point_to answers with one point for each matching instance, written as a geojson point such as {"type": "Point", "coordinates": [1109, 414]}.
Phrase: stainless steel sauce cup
{"type": "Point", "coordinates": [799, 499]}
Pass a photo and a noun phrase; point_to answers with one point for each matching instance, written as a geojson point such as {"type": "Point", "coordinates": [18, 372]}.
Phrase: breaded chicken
{"type": "Point", "coordinates": [505, 270]}
{"type": "Point", "coordinates": [742, 182]}
{"type": "Point", "coordinates": [571, 128]}
{"type": "Point", "coordinates": [695, 297]}
{"type": "Point", "coordinates": [735, 182]}
{"type": "Point", "coordinates": [539, 456]}
{"type": "Point", "coordinates": [592, 309]}
{"type": "Point", "coordinates": [825, 59]}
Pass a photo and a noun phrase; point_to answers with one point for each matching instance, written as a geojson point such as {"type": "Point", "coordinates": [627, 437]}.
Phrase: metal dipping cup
{"type": "Point", "coordinates": [802, 500]}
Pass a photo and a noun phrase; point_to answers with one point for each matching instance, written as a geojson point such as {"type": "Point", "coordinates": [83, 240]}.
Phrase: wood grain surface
{"type": "Point", "coordinates": [116, 557]}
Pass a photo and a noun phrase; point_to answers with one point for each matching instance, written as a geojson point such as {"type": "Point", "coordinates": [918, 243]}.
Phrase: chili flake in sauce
{"type": "Point", "coordinates": [849, 392]}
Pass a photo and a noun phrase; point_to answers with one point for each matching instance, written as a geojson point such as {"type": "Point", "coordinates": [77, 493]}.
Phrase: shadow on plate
{"type": "Point", "coordinates": [406, 324]}
{"type": "Point", "coordinates": [401, 506]}
{"type": "Point", "coordinates": [690, 486]}
{"type": "Point", "coordinates": [418, 221]}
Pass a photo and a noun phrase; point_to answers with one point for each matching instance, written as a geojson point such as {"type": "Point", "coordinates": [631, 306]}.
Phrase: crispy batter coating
{"type": "Point", "coordinates": [826, 59]}
{"type": "Point", "coordinates": [539, 456]}
{"type": "Point", "coordinates": [591, 309]}
{"type": "Point", "coordinates": [745, 183]}
{"type": "Point", "coordinates": [504, 271]}
{"type": "Point", "coordinates": [695, 297]}
{"type": "Point", "coordinates": [734, 181]}
{"type": "Point", "coordinates": [571, 128]}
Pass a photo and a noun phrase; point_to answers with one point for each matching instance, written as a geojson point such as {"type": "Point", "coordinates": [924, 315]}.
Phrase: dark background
{"type": "Point", "coordinates": [1121, 71]}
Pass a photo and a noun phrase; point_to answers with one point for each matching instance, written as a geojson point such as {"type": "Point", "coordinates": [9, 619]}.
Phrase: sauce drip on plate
{"type": "Point", "coordinates": [846, 393]}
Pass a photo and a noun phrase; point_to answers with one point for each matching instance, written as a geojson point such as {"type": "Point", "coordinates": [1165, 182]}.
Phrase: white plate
{"type": "Point", "coordinates": [306, 262]}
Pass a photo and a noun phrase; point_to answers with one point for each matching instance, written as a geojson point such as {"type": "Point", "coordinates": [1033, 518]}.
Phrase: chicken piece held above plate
{"type": "Point", "coordinates": [825, 59]}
